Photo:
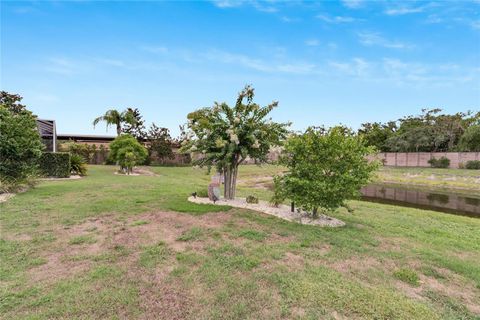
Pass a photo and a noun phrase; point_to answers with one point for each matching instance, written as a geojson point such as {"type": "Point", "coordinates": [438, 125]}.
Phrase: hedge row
{"type": "Point", "coordinates": [473, 164]}
{"type": "Point", "coordinates": [55, 164]}
{"type": "Point", "coordinates": [442, 162]}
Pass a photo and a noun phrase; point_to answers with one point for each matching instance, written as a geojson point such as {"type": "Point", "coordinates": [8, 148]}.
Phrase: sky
{"type": "Point", "coordinates": [326, 63]}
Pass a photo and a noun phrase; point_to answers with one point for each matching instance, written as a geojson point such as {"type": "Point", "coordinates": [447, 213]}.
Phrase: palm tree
{"type": "Point", "coordinates": [112, 117]}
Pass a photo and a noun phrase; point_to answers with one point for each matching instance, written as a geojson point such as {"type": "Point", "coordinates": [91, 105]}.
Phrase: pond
{"type": "Point", "coordinates": [431, 200]}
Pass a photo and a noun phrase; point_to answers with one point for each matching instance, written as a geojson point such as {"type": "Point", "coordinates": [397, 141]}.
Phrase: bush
{"type": "Point", "coordinates": [202, 193]}
{"type": "Point", "coordinates": [86, 151]}
{"type": "Point", "coordinates": [78, 165]}
{"type": "Point", "coordinates": [127, 152]}
{"type": "Point", "coordinates": [473, 165]}
{"type": "Point", "coordinates": [20, 147]}
{"type": "Point", "coordinates": [252, 199]}
{"type": "Point", "coordinates": [55, 164]}
{"type": "Point", "coordinates": [443, 162]}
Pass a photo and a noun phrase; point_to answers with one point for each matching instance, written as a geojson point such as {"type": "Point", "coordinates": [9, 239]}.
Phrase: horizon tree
{"type": "Point", "coordinates": [160, 142]}
{"type": "Point", "coordinates": [225, 136]}
{"type": "Point", "coordinates": [134, 124]}
{"type": "Point", "coordinates": [116, 118]}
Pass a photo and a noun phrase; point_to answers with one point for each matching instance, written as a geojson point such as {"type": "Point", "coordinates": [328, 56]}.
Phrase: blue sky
{"type": "Point", "coordinates": [325, 62]}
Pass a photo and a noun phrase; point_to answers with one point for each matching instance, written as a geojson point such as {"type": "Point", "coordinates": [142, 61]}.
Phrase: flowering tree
{"type": "Point", "coordinates": [225, 136]}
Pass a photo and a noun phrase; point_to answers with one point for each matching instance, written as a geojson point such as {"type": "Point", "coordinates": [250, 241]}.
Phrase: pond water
{"type": "Point", "coordinates": [423, 199]}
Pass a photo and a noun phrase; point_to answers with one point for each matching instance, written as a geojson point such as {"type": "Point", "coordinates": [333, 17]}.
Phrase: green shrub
{"type": "Point", "coordinates": [86, 151]}
{"type": "Point", "coordinates": [252, 199]}
{"type": "Point", "coordinates": [473, 165]}
{"type": "Point", "coordinates": [127, 152]}
{"type": "Point", "coordinates": [326, 167]}
{"type": "Point", "coordinates": [202, 193]}
{"type": "Point", "coordinates": [55, 164]}
{"type": "Point", "coordinates": [407, 275]}
{"type": "Point", "coordinates": [20, 145]}
{"type": "Point", "coordinates": [442, 162]}
{"type": "Point", "coordinates": [78, 165]}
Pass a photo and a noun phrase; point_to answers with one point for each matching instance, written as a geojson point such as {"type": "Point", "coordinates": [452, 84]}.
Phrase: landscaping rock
{"type": "Point", "coordinates": [282, 211]}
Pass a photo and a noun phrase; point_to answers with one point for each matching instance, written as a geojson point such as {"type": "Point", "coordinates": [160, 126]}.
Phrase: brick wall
{"type": "Point", "coordinates": [420, 159]}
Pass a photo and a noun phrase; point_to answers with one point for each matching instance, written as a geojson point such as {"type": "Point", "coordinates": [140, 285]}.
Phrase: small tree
{"type": "Point", "coordinates": [160, 142]}
{"type": "Point", "coordinates": [226, 136]}
{"type": "Point", "coordinates": [127, 152]}
{"type": "Point", "coordinates": [20, 143]}
{"type": "Point", "coordinates": [325, 168]}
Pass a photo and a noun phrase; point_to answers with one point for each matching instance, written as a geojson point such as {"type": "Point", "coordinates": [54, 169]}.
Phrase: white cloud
{"type": "Point", "coordinates": [353, 4]}
{"type": "Point", "coordinates": [433, 18]}
{"type": "Point", "coordinates": [475, 24]}
{"type": "Point", "coordinates": [258, 5]}
{"type": "Point", "coordinates": [375, 39]}
{"type": "Point", "coordinates": [357, 67]}
{"type": "Point", "coordinates": [264, 8]}
{"type": "Point", "coordinates": [312, 42]}
{"type": "Point", "coordinates": [403, 10]}
{"type": "Point", "coordinates": [62, 66]}
{"type": "Point", "coordinates": [259, 64]}
{"type": "Point", "coordinates": [336, 19]}
{"type": "Point", "coordinates": [403, 73]}
{"type": "Point", "coordinates": [288, 19]}
{"type": "Point", "coordinates": [74, 66]}
{"type": "Point", "coordinates": [227, 3]}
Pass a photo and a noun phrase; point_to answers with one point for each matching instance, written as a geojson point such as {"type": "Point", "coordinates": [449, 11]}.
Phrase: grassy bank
{"type": "Point", "coordinates": [460, 180]}
{"type": "Point", "coordinates": [110, 246]}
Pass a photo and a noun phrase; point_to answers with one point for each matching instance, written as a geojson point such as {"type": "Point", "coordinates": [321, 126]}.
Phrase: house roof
{"type": "Point", "coordinates": [89, 137]}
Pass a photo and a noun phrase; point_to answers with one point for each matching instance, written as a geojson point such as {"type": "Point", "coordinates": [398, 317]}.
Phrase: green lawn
{"type": "Point", "coordinates": [110, 246]}
{"type": "Point", "coordinates": [460, 180]}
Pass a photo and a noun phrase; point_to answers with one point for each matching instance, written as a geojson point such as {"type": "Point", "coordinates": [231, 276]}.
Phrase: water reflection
{"type": "Point", "coordinates": [451, 203]}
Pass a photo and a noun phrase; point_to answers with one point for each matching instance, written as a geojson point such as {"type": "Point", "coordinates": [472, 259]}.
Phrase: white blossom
{"type": "Point", "coordinates": [220, 143]}
{"type": "Point", "coordinates": [234, 138]}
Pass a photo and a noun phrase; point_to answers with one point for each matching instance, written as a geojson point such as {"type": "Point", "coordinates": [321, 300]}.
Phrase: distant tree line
{"type": "Point", "coordinates": [431, 131]}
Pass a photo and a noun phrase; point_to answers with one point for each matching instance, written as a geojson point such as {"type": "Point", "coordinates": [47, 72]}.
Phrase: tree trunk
{"type": "Point", "coordinates": [119, 129]}
{"type": "Point", "coordinates": [230, 175]}
{"type": "Point", "coordinates": [315, 213]}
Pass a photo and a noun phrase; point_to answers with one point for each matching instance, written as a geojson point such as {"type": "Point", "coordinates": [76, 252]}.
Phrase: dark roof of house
{"type": "Point", "coordinates": [84, 137]}
{"type": "Point", "coordinates": [97, 138]}
{"type": "Point", "coordinates": [46, 128]}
